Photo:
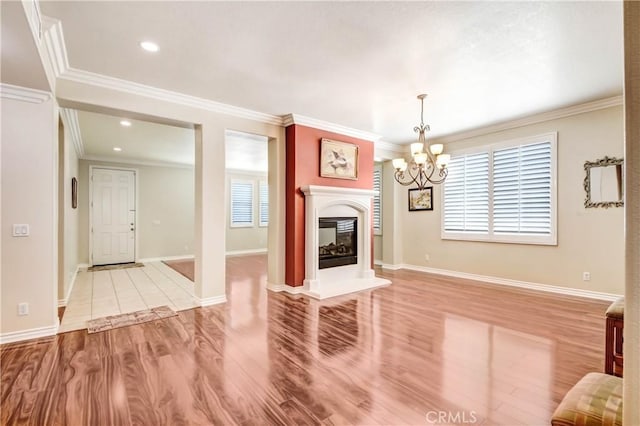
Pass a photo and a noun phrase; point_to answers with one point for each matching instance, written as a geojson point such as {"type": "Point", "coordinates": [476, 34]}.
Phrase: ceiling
{"type": "Point", "coordinates": [160, 144]}
{"type": "Point", "coordinates": [21, 64]}
{"type": "Point", "coordinates": [142, 141]}
{"type": "Point", "coordinates": [244, 151]}
{"type": "Point", "coordinates": [359, 64]}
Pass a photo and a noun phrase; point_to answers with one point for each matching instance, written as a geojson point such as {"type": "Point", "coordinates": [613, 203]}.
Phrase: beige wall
{"type": "Point", "coordinates": [377, 248]}
{"type": "Point", "coordinates": [165, 195]}
{"type": "Point", "coordinates": [68, 243]}
{"type": "Point", "coordinates": [29, 179]}
{"type": "Point", "coordinates": [245, 238]}
{"type": "Point", "coordinates": [393, 206]}
{"type": "Point", "coordinates": [588, 239]}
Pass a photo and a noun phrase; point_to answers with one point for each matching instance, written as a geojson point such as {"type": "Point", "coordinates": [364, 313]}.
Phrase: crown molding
{"type": "Point", "coordinates": [70, 119]}
{"type": "Point", "coordinates": [55, 46]}
{"type": "Point", "coordinates": [34, 18]}
{"type": "Point", "coordinates": [112, 83]}
{"type": "Point", "coordinates": [533, 119]}
{"type": "Point", "coordinates": [301, 120]}
{"type": "Point", "coordinates": [25, 94]}
{"type": "Point", "coordinates": [136, 162]}
{"type": "Point", "coordinates": [392, 147]}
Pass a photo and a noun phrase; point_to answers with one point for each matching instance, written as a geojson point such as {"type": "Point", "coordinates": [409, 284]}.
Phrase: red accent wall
{"type": "Point", "coordinates": [303, 168]}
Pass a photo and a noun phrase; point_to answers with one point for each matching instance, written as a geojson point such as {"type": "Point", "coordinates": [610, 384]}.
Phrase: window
{"type": "Point", "coordinates": [504, 193]}
{"type": "Point", "coordinates": [377, 201]}
{"type": "Point", "coordinates": [241, 203]}
{"type": "Point", "coordinates": [264, 203]}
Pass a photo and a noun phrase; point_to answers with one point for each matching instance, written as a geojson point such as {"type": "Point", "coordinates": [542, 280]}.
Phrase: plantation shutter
{"type": "Point", "coordinates": [466, 194]}
{"type": "Point", "coordinates": [377, 202]}
{"type": "Point", "coordinates": [264, 203]}
{"type": "Point", "coordinates": [241, 203]}
{"type": "Point", "coordinates": [522, 190]}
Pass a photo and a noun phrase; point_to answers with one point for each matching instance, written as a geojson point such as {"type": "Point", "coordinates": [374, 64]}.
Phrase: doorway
{"type": "Point", "coordinates": [113, 216]}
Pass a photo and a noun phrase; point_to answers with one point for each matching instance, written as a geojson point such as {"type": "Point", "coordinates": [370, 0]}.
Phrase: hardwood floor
{"type": "Point", "coordinates": [426, 350]}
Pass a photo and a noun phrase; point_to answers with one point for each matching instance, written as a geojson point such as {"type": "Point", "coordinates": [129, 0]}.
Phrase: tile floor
{"type": "Point", "coordinates": [103, 293]}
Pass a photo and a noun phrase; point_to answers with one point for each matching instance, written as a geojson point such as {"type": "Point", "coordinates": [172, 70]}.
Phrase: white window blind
{"type": "Point", "coordinates": [264, 203]}
{"type": "Point", "coordinates": [522, 189]}
{"type": "Point", "coordinates": [377, 202]}
{"type": "Point", "coordinates": [466, 194]}
{"type": "Point", "coordinates": [504, 192]}
{"type": "Point", "coordinates": [241, 203]}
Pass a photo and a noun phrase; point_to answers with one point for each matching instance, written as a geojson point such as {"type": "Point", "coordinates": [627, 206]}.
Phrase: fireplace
{"type": "Point", "coordinates": [342, 217]}
{"type": "Point", "coordinates": [337, 241]}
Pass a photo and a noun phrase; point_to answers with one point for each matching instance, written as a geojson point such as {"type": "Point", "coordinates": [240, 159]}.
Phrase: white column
{"type": "Point", "coordinates": [210, 215]}
{"type": "Point", "coordinates": [631, 391]}
{"type": "Point", "coordinates": [277, 208]}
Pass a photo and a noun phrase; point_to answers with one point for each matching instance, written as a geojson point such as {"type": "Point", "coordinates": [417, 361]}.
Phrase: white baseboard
{"type": "Point", "coordinates": [34, 333]}
{"type": "Point", "coordinates": [161, 259]}
{"type": "Point", "coordinates": [215, 300]}
{"type": "Point", "coordinates": [511, 283]}
{"type": "Point", "coordinates": [65, 301]}
{"type": "Point", "coordinates": [377, 262]}
{"type": "Point", "coordinates": [245, 252]}
{"type": "Point", "coordinates": [391, 267]}
{"type": "Point", "coordinates": [286, 288]}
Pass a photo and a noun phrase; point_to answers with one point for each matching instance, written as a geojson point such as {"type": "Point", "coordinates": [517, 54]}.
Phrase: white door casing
{"type": "Point", "coordinates": [113, 216]}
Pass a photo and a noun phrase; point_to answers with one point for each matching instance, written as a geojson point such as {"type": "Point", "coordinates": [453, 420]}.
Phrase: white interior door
{"type": "Point", "coordinates": [113, 213]}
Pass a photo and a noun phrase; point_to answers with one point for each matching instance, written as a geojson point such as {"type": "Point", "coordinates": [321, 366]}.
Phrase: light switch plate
{"type": "Point", "coordinates": [20, 230]}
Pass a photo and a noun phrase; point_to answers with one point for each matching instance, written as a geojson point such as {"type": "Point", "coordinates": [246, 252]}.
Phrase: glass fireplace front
{"type": "Point", "coordinates": [338, 241]}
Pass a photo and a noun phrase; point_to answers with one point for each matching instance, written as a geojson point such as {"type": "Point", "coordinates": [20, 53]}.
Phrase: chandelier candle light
{"type": "Point", "coordinates": [425, 163]}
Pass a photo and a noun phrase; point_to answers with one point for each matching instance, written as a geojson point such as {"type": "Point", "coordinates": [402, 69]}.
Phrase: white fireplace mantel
{"type": "Point", "coordinates": [332, 201]}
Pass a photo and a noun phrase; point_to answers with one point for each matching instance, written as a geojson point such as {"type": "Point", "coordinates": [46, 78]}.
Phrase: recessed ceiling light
{"type": "Point", "coordinates": [125, 123]}
{"type": "Point", "coordinates": [149, 46]}
{"type": "Point", "coordinates": [117, 149]}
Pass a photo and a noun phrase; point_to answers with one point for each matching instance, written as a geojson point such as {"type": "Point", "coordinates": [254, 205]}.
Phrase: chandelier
{"type": "Point", "coordinates": [427, 166]}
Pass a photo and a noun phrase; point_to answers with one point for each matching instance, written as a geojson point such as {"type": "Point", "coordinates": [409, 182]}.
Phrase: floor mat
{"type": "Point", "coordinates": [124, 320]}
{"type": "Point", "coordinates": [112, 267]}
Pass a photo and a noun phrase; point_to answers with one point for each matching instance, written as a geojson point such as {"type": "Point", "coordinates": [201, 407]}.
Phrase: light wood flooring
{"type": "Point", "coordinates": [403, 354]}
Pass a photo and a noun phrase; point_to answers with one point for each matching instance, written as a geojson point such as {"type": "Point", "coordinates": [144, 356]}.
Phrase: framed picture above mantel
{"type": "Point", "coordinates": [338, 160]}
{"type": "Point", "coordinates": [420, 199]}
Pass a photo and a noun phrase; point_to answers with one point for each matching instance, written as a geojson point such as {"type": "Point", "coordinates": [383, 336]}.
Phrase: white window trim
{"type": "Point", "coordinates": [253, 202]}
{"type": "Point", "coordinates": [378, 231]}
{"type": "Point", "coordinates": [262, 224]}
{"type": "Point", "coordinates": [552, 238]}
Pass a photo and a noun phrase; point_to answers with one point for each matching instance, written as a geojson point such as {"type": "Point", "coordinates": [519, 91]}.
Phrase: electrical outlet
{"type": "Point", "coordinates": [20, 230]}
{"type": "Point", "coordinates": [586, 276]}
{"type": "Point", "coordinates": [23, 309]}
{"type": "Point", "coordinates": [427, 258]}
